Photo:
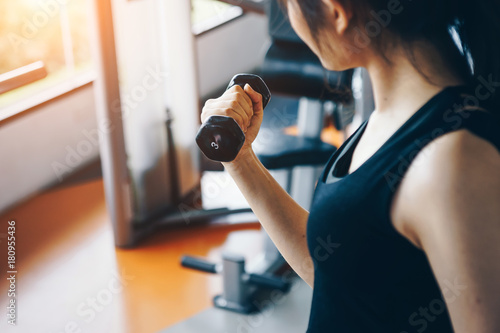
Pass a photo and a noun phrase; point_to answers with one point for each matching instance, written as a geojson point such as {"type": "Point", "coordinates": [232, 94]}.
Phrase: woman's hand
{"type": "Point", "coordinates": [244, 106]}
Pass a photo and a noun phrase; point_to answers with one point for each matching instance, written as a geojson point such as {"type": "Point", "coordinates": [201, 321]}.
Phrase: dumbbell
{"type": "Point", "coordinates": [220, 138]}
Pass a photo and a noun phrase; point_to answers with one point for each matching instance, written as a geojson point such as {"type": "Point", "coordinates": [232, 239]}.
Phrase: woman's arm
{"type": "Point", "coordinates": [284, 220]}
{"type": "Point", "coordinates": [449, 205]}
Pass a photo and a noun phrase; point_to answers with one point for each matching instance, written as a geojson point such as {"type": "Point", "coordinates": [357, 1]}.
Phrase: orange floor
{"type": "Point", "coordinates": [71, 277]}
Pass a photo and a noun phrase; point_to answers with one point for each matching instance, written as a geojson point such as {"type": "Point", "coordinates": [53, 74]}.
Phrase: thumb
{"type": "Point", "coordinates": [255, 97]}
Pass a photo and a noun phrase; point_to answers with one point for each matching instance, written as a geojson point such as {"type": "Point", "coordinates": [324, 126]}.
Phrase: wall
{"type": "Point", "coordinates": [235, 47]}
{"type": "Point", "coordinates": [42, 146]}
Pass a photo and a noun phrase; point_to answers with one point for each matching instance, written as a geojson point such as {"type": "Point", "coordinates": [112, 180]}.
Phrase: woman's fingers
{"type": "Point", "coordinates": [244, 101]}
{"type": "Point", "coordinates": [229, 108]}
{"type": "Point", "coordinates": [241, 95]}
{"type": "Point", "coordinates": [218, 112]}
{"type": "Point", "coordinates": [255, 97]}
{"type": "Point", "coordinates": [234, 103]}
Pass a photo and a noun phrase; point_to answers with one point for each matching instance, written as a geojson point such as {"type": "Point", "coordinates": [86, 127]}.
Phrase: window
{"type": "Point", "coordinates": [208, 14]}
{"type": "Point", "coordinates": [55, 32]}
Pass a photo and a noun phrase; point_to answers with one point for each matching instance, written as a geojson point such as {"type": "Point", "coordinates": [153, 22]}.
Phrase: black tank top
{"type": "Point", "coordinates": [367, 277]}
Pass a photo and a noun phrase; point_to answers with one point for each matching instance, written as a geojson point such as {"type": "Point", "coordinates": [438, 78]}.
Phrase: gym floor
{"type": "Point", "coordinates": [71, 275]}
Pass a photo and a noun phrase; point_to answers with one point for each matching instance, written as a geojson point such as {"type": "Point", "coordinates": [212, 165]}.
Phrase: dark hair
{"type": "Point", "coordinates": [467, 33]}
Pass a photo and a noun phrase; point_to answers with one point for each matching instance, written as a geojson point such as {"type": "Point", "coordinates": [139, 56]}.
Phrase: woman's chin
{"type": "Point", "coordinates": [335, 66]}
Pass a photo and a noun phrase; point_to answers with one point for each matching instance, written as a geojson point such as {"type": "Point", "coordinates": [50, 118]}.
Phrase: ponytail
{"type": "Point", "coordinates": [477, 24]}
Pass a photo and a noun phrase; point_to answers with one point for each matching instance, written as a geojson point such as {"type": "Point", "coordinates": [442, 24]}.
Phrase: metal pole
{"type": "Point", "coordinates": [109, 117]}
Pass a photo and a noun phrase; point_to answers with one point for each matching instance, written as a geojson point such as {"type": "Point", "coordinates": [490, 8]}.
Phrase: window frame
{"type": "Point", "coordinates": [75, 80]}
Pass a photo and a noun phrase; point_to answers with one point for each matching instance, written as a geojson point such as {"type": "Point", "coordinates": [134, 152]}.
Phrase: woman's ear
{"type": "Point", "coordinates": [338, 15]}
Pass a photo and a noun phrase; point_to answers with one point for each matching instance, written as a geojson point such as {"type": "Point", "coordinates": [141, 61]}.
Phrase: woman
{"type": "Point", "coordinates": [404, 229]}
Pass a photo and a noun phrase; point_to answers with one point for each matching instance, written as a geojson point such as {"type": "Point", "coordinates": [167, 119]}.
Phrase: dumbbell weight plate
{"type": "Point", "coordinates": [220, 138]}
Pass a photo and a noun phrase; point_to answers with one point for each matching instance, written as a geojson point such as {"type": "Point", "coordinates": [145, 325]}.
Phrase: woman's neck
{"type": "Point", "coordinates": [399, 87]}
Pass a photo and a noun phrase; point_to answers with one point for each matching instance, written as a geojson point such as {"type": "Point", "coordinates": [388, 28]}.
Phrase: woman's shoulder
{"type": "Point", "coordinates": [447, 177]}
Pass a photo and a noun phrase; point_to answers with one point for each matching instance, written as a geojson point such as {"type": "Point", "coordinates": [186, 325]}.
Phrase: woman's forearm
{"type": "Point", "coordinates": [284, 220]}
